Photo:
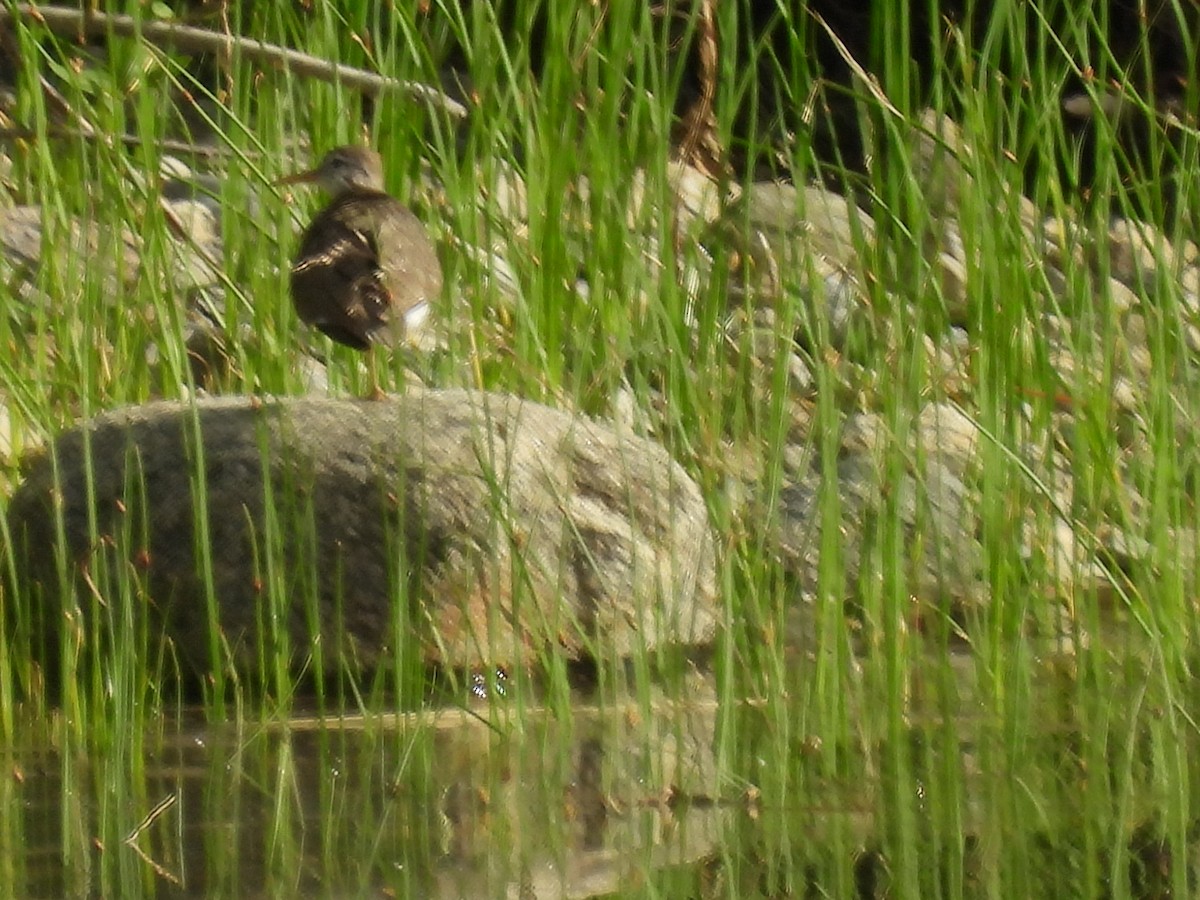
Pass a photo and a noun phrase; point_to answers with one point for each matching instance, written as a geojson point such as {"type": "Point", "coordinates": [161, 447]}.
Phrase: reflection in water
{"type": "Point", "coordinates": [491, 801]}
{"type": "Point", "coordinates": [510, 799]}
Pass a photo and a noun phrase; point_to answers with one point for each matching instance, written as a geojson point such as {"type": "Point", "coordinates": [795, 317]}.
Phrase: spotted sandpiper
{"type": "Point", "coordinates": [366, 267]}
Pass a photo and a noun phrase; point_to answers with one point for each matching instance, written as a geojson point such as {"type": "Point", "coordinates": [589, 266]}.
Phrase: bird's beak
{"type": "Point", "coordinates": [307, 177]}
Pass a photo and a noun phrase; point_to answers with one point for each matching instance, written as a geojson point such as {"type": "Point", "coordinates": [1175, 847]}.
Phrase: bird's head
{"type": "Point", "coordinates": [343, 169]}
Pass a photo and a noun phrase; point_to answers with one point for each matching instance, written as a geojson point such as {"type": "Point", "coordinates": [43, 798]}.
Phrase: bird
{"type": "Point", "coordinates": [366, 268]}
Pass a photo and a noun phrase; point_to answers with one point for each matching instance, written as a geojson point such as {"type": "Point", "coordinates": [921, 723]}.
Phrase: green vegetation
{"type": "Point", "coordinates": [1041, 745]}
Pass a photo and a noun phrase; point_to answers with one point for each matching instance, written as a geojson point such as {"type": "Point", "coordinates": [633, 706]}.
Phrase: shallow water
{"type": "Point", "coordinates": [1070, 790]}
{"type": "Point", "coordinates": [451, 803]}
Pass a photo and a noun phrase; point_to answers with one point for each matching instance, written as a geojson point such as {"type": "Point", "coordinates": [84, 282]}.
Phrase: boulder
{"type": "Point", "coordinates": [488, 529]}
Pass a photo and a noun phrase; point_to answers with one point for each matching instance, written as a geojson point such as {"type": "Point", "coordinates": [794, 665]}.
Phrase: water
{"type": "Point", "coordinates": [1076, 781]}
{"type": "Point", "coordinates": [454, 803]}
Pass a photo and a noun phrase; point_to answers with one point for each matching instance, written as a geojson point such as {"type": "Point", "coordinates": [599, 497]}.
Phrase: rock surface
{"type": "Point", "coordinates": [488, 528]}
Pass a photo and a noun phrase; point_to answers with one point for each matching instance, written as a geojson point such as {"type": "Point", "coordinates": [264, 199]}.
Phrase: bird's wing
{"type": "Point", "coordinates": [408, 260]}
{"type": "Point", "coordinates": [407, 254]}
{"type": "Point", "coordinates": [366, 270]}
{"type": "Point", "coordinates": [338, 285]}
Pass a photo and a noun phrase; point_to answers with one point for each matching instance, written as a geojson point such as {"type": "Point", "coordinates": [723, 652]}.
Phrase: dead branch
{"type": "Point", "coordinates": [189, 39]}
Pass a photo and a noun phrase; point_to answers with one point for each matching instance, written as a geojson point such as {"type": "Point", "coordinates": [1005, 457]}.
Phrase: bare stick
{"type": "Point", "coordinates": [56, 133]}
{"type": "Point", "coordinates": [132, 841]}
{"type": "Point", "coordinates": [189, 39]}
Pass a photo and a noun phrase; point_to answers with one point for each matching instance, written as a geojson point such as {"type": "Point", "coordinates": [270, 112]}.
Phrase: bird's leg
{"type": "Point", "coordinates": [376, 392]}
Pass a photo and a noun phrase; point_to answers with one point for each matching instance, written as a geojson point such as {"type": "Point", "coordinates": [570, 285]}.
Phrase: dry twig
{"type": "Point", "coordinates": [190, 39]}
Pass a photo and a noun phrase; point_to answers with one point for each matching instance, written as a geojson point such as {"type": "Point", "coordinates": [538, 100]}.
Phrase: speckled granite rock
{"type": "Point", "coordinates": [487, 528]}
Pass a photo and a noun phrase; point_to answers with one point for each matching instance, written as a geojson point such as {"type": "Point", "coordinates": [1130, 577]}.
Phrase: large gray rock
{"type": "Point", "coordinates": [485, 528]}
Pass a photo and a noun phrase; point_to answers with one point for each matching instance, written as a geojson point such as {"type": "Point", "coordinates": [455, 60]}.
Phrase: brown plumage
{"type": "Point", "coordinates": [365, 264]}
